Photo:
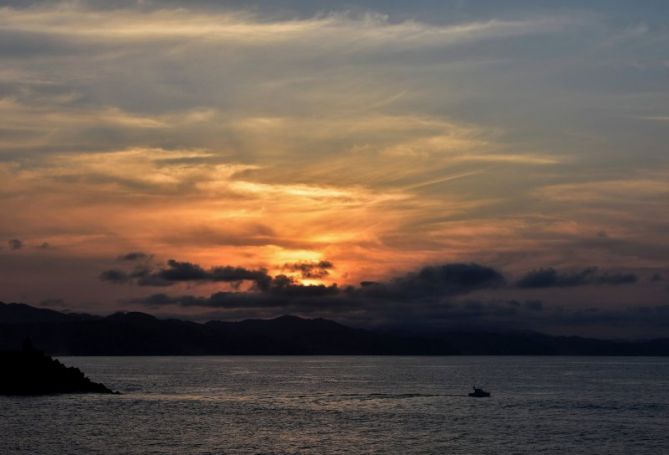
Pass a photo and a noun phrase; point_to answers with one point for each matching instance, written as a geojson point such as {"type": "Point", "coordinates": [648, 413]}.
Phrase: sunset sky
{"type": "Point", "coordinates": [176, 157]}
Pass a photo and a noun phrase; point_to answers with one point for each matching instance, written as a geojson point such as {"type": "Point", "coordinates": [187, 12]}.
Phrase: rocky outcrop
{"type": "Point", "coordinates": [32, 372]}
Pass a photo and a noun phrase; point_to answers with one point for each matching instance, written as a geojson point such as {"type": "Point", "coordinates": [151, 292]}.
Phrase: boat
{"type": "Point", "coordinates": [479, 393]}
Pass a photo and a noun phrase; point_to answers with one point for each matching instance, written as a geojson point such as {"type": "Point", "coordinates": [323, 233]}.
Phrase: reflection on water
{"type": "Point", "coordinates": [350, 405]}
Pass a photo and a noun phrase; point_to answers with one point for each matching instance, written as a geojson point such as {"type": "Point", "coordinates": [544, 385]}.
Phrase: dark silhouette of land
{"type": "Point", "coordinates": [31, 372]}
{"type": "Point", "coordinates": [142, 334]}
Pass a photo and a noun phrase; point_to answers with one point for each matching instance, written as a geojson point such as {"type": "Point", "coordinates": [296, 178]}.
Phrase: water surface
{"type": "Point", "coordinates": [350, 405]}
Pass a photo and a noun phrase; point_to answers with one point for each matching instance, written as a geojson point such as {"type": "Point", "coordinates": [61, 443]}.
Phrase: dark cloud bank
{"type": "Point", "coordinates": [432, 298]}
{"type": "Point", "coordinates": [550, 277]}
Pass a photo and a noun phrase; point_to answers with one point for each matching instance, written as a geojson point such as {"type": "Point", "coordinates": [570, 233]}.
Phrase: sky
{"type": "Point", "coordinates": [427, 165]}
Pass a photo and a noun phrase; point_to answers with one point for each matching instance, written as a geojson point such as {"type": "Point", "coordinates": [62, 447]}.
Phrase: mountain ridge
{"type": "Point", "coordinates": [136, 333]}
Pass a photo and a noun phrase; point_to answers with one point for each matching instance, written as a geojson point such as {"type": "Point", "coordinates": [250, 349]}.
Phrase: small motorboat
{"type": "Point", "coordinates": [479, 393]}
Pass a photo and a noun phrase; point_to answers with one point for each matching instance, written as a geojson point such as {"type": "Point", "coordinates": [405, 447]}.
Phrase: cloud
{"type": "Point", "coordinates": [115, 276]}
{"type": "Point", "coordinates": [638, 317]}
{"type": "Point", "coordinates": [435, 281]}
{"type": "Point", "coordinates": [135, 256]}
{"type": "Point", "coordinates": [336, 30]}
{"type": "Point", "coordinates": [427, 317]}
{"type": "Point", "coordinates": [183, 272]}
{"type": "Point", "coordinates": [432, 298]}
{"type": "Point", "coordinates": [429, 283]}
{"type": "Point", "coordinates": [311, 298]}
{"type": "Point", "coordinates": [316, 270]}
{"type": "Point", "coordinates": [617, 278]}
{"type": "Point", "coordinates": [549, 277]}
{"type": "Point", "coordinates": [449, 279]}
{"type": "Point", "coordinates": [284, 286]}
{"type": "Point", "coordinates": [381, 141]}
{"type": "Point", "coordinates": [535, 315]}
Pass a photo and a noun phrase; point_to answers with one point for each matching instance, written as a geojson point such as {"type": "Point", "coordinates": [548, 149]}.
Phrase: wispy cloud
{"type": "Point", "coordinates": [368, 29]}
{"type": "Point", "coordinates": [397, 137]}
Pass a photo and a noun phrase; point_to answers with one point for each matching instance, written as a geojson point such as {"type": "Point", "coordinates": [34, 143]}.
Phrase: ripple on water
{"type": "Point", "coordinates": [349, 405]}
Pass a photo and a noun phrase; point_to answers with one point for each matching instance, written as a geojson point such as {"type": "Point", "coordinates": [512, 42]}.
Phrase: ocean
{"type": "Point", "coordinates": [350, 405]}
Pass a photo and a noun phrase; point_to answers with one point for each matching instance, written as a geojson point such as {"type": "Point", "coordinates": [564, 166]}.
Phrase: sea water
{"type": "Point", "coordinates": [350, 405]}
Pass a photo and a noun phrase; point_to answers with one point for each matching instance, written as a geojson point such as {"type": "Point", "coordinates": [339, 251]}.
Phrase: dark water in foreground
{"type": "Point", "coordinates": [350, 405]}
